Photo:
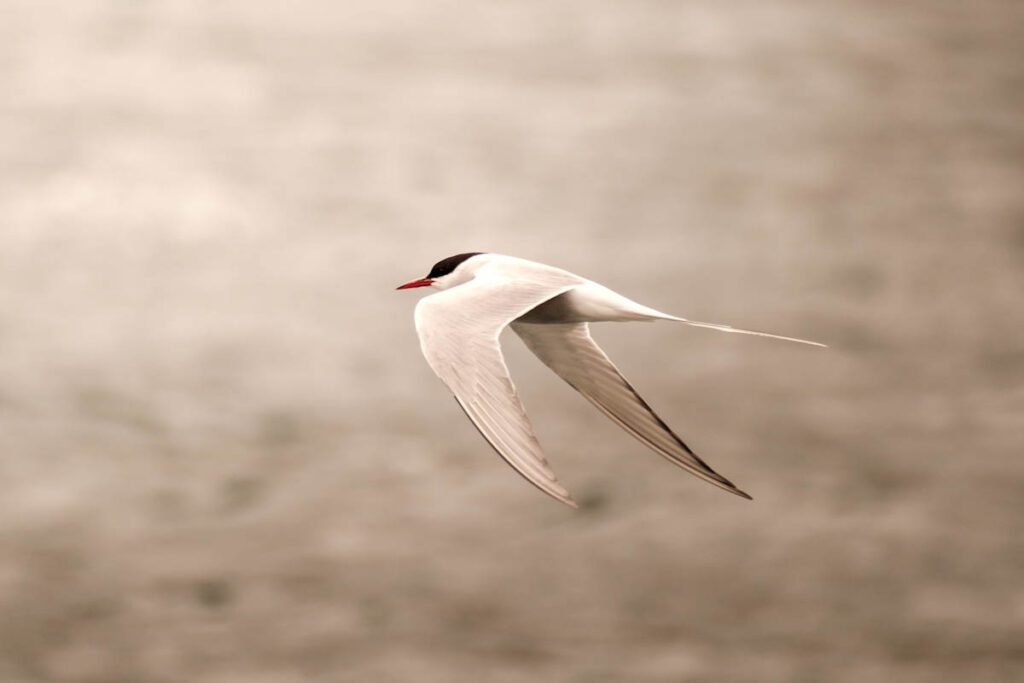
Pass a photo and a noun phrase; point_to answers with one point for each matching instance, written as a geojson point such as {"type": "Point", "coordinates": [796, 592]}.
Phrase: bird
{"type": "Point", "coordinates": [479, 294]}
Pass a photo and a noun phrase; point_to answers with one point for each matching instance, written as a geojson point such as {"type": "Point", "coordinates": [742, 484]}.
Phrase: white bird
{"type": "Point", "coordinates": [550, 309]}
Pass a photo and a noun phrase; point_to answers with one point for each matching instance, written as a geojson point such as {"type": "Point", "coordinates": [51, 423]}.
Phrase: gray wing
{"type": "Point", "coordinates": [569, 350]}
{"type": "Point", "coordinates": [458, 331]}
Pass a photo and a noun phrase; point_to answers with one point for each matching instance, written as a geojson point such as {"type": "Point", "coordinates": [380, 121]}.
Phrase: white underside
{"type": "Point", "coordinates": [591, 303]}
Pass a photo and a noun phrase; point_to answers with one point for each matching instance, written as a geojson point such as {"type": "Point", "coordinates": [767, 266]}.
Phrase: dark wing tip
{"type": "Point", "coordinates": [727, 485]}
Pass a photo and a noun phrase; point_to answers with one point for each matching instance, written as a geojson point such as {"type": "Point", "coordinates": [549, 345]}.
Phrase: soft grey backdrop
{"type": "Point", "coordinates": [223, 460]}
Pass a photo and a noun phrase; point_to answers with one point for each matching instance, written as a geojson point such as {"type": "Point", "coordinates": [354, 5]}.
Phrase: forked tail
{"type": "Point", "coordinates": [729, 328]}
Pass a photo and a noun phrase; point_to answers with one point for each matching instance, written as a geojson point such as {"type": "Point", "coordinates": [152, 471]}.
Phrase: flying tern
{"type": "Point", "coordinates": [550, 309]}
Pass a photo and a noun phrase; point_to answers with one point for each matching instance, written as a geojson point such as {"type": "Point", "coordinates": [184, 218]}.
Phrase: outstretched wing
{"type": "Point", "coordinates": [569, 350]}
{"type": "Point", "coordinates": [458, 330]}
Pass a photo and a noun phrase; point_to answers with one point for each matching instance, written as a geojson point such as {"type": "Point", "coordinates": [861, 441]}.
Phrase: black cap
{"type": "Point", "coordinates": [445, 266]}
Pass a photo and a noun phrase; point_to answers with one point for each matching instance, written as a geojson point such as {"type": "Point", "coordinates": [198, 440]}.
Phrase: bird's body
{"type": "Point", "coordinates": [550, 309]}
{"type": "Point", "coordinates": [589, 302]}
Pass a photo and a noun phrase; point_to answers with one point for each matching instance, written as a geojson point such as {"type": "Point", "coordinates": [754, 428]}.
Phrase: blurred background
{"type": "Point", "coordinates": [223, 459]}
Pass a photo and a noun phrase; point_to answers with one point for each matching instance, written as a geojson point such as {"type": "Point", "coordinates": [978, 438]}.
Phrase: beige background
{"type": "Point", "coordinates": [223, 460]}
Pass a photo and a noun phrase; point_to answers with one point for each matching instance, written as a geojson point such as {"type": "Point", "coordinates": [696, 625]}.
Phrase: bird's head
{"type": "Point", "coordinates": [448, 272]}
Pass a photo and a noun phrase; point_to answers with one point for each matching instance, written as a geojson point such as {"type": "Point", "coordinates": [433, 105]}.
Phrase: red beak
{"type": "Point", "coordinates": [425, 282]}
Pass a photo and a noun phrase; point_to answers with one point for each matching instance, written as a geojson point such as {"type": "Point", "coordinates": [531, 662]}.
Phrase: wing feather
{"type": "Point", "coordinates": [569, 350]}
{"type": "Point", "coordinates": [459, 330]}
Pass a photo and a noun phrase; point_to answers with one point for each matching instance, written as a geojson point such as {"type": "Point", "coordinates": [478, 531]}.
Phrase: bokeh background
{"type": "Point", "coordinates": [223, 460]}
